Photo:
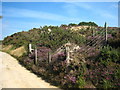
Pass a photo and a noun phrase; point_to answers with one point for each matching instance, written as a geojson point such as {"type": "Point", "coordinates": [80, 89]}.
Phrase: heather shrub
{"type": "Point", "coordinates": [109, 54]}
{"type": "Point", "coordinates": [115, 41]}
{"type": "Point", "coordinates": [77, 74]}
{"type": "Point", "coordinates": [28, 62]}
{"type": "Point", "coordinates": [102, 76]}
{"type": "Point", "coordinates": [59, 56]}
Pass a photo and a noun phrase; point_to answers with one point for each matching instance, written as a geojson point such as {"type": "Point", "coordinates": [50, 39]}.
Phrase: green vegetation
{"type": "Point", "coordinates": [72, 24]}
{"type": "Point", "coordinates": [0, 17]}
{"type": "Point", "coordinates": [100, 71]}
{"type": "Point", "coordinates": [87, 24]}
{"type": "Point", "coordinates": [109, 54]}
{"type": "Point", "coordinates": [114, 42]}
{"type": "Point", "coordinates": [53, 39]}
{"type": "Point", "coordinates": [0, 42]}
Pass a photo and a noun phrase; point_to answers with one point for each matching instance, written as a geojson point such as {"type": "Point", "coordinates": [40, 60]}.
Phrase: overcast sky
{"type": "Point", "coordinates": [21, 16]}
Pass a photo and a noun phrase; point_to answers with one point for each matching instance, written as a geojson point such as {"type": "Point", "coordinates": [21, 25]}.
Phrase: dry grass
{"type": "Point", "coordinates": [18, 52]}
{"type": "Point", "coordinates": [15, 52]}
{"type": "Point", "coordinates": [7, 48]}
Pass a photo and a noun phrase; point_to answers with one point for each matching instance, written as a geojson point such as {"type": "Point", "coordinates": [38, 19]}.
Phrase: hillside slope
{"type": "Point", "coordinates": [49, 36]}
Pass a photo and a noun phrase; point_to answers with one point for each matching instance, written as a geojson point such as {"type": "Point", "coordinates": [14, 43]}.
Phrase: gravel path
{"type": "Point", "coordinates": [13, 75]}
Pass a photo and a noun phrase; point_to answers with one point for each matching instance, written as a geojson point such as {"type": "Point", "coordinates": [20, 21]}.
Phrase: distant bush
{"type": "Point", "coordinates": [72, 24]}
{"type": "Point", "coordinates": [87, 24]}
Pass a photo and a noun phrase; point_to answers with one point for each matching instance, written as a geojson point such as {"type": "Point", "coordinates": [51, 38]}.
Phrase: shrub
{"type": "Point", "coordinates": [107, 84]}
{"type": "Point", "coordinates": [109, 54]}
{"type": "Point", "coordinates": [115, 41]}
{"type": "Point", "coordinates": [103, 76]}
{"type": "Point", "coordinates": [81, 82]}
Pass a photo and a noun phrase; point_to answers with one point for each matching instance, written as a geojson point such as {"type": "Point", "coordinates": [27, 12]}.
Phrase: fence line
{"type": "Point", "coordinates": [96, 42]}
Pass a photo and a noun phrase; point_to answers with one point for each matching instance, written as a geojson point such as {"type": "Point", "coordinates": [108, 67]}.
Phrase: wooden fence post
{"type": "Point", "coordinates": [93, 32]}
{"type": "Point", "coordinates": [35, 56]}
{"type": "Point", "coordinates": [67, 52]}
{"type": "Point", "coordinates": [30, 48]}
{"type": "Point", "coordinates": [49, 57]}
{"type": "Point", "coordinates": [106, 32]}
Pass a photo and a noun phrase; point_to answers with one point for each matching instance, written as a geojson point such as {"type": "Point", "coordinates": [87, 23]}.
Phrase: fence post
{"type": "Point", "coordinates": [35, 55]}
{"type": "Point", "coordinates": [93, 32]}
{"type": "Point", "coordinates": [49, 57]}
{"type": "Point", "coordinates": [106, 32]}
{"type": "Point", "coordinates": [67, 52]}
{"type": "Point", "coordinates": [30, 48]}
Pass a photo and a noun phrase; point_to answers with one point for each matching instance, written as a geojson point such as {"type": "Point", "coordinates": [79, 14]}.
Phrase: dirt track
{"type": "Point", "coordinates": [13, 75]}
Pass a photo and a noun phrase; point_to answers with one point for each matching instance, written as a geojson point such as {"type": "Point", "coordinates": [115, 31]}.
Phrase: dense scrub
{"type": "Point", "coordinates": [102, 72]}
{"type": "Point", "coordinates": [102, 66]}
